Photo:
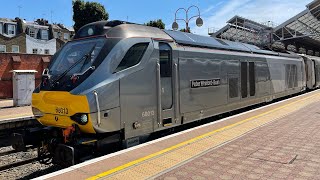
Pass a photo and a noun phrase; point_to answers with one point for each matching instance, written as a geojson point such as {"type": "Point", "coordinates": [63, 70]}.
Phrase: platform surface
{"type": "Point", "coordinates": [8, 112]}
{"type": "Point", "coordinates": [278, 141]}
{"type": "Point", "coordinates": [6, 103]}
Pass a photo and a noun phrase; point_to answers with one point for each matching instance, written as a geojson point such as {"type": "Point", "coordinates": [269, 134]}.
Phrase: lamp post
{"type": "Point", "coordinates": [199, 21]}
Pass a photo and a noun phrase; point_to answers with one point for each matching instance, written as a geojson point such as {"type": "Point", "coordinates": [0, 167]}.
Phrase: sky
{"type": "Point", "coordinates": [215, 13]}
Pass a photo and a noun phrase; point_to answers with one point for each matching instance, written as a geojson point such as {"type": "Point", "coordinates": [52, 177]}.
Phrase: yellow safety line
{"type": "Point", "coordinates": [91, 141]}
{"type": "Point", "coordinates": [15, 116]}
{"type": "Point", "coordinates": [106, 173]}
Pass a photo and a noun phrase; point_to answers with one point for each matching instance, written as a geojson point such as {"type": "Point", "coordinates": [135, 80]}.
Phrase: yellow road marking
{"type": "Point", "coordinates": [122, 167]}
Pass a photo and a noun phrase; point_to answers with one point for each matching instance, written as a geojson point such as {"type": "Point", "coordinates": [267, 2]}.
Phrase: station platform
{"type": "Point", "coordinates": [9, 113]}
{"type": "Point", "coordinates": [15, 117]}
{"type": "Point", "coordinates": [277, 141]}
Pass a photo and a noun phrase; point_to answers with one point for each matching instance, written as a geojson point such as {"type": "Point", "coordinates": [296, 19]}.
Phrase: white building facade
{"type": "Point", "coordinates": [38, 46]}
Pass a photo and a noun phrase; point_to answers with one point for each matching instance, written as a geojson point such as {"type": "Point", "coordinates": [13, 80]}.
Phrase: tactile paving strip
{"type": "Point", "coordinates": [180, 153]}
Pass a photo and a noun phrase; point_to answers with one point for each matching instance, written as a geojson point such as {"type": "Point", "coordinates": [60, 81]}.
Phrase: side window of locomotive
{"type": "Point", "coordinates": [165, 60]}
{"type": "Point", "coordinates": [133, 56]}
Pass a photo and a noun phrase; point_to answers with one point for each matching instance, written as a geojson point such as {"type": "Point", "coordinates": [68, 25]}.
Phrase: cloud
{"type": "Point", "coordinates": [256, 10]}
{"type": "Point", "coordinates": [209, 9]}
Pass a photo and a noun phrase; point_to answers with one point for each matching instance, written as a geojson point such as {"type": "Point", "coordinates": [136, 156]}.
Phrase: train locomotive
{"type": "Point", "coordinates": [118, 82]}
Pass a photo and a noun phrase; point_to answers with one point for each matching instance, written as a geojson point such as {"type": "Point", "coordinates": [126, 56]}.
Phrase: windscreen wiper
{"type": "Point", "coordinates": [85, 57]}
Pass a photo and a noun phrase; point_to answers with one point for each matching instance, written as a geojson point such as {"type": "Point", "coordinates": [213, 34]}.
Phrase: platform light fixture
{"type": "Point", "coordinates": [199, 21]}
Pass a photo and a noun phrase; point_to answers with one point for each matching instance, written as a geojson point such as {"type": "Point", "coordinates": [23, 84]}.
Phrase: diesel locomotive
{"type": "Point", "coordinates": [120, 82]}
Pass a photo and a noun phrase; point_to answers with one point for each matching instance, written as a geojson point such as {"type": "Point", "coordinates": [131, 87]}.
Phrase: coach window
{"type": "Point", "coordinates": [133, 56]}
{"type": "Point", "coordinates": [165, 60]}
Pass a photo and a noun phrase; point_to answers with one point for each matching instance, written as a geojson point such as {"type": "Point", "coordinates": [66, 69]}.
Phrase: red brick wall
{"type": "Point", "coordinates": [28, 62]}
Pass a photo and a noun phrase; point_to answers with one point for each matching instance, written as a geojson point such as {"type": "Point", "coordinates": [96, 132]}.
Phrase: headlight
{"type": "Point", "coordinates": [84, 118]}
{"type": "Point", "coordinates": [36, 112]}
{"type": "Point", "coordinates": [80, 118]}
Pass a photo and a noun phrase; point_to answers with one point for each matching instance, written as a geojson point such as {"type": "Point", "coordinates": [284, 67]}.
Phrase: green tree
{"type": "Point", "coordinates": [184, 30]}
{"type": "Point", "coordinates": [87, 12]}
{"type": "Point", "coordinates": [156, 23]}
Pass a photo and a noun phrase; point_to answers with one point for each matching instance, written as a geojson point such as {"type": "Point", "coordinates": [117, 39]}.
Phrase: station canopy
{"type": "Point", "coordinates": [302, 30]}
{"type": "Point", "coordinates": [300, 33]}
{"type": "Point", "coordinates": [241, 29]}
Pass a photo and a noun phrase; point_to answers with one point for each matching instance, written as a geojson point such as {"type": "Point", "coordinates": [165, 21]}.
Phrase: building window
{"type": "Point", "coordinates": [44, 34]}
{"type": "Point", "coordinates": [35, 51]}
{"type": "Point", "coordinates": [3, 48]}
{"type": "Point", "coordinates": [46, 51]}
{"type": "Point", "coordinates": [32, 32]}
{"type": "Point", "coordinates": [66, 36]}
{"type": "Point", "coordinates": [11, 29]}
{"type": "Point", "coordinates": [15, 49]}
{"type": "Point", "coordinates": [1, 27]}
{"type": "Point", "coordinates": [55, 34]}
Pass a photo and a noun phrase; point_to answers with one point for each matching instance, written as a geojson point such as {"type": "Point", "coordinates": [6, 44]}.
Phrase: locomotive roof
{"type": "Point", "coordinates": [204, 41]}
{"type": "Point", "coordinates": [122, 29]}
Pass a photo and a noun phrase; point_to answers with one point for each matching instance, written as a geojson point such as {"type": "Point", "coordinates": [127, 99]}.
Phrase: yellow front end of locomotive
{"type": "Point", "coordinates": [55, 108]}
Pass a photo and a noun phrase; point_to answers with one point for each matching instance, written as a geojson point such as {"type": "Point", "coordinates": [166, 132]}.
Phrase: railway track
{"type": "Point", "coordinates": [7, 152]}
{"type": "Point", "coordinates": [23, 165]}
{"type": "Point", "coordinates": [12, 153]}
{"type": "Point", "coordinates": [17, 164]}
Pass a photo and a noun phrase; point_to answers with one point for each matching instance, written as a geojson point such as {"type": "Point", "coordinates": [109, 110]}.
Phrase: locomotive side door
{"type": "Point", "coordinates": [165, 61]}
{"type": "Point", "coordinates": [166, 70]}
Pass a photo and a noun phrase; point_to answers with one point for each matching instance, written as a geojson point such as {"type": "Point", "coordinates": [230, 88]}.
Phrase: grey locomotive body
{"type": "Point", "coordinates": [175, 83]}
{"type": "Point", "coordinates": [149, 80]}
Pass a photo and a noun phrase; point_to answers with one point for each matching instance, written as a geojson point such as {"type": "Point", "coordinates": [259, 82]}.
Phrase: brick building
{"type": "Point", "coordinates": [61, 32]}
{"type": "Point", "coordinates": [32, 37]}
{"type": "Point", "coordinates": [17, 61]}
{"type": "Point", "coordinates": [16, 44]}
{"type": "Point", "coordinates": [27, 45]}
{"type": "Point", "coordinates": [8, 27]}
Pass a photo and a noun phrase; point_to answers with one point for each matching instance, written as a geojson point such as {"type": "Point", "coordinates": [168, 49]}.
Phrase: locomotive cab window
{"type": "Point", "coordinates": [133, 56]}
{"type": "Point", "coordinates": [165, 60]}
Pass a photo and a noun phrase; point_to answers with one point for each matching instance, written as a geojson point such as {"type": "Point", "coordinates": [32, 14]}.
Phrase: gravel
{"type": "Point", "coordinates": [27, 171]}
